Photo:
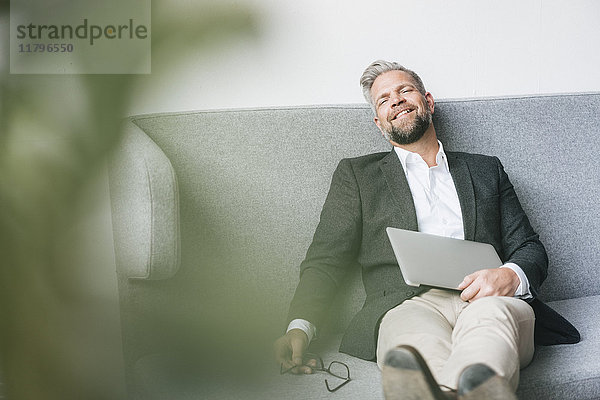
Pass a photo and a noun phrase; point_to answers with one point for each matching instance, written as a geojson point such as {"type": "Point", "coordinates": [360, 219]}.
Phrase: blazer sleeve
{"type": "Point", "coordinates": [333, 250]}
{"type": "Point", "coordinates": [520, 242]}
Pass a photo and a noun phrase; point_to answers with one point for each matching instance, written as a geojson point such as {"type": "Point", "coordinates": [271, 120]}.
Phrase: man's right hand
{"type": "Point", "coordinates": [289, 352]}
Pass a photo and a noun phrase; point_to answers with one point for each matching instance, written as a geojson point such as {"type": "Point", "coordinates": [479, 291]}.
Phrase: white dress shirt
{"type": "Point", "coordinates": [438, 211]}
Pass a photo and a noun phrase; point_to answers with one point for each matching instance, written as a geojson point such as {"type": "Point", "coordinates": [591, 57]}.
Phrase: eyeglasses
{"type": "Point", "coordinates": [336, 368]}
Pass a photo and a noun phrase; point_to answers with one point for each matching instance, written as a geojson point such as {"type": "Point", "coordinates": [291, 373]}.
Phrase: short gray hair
{"type": "Point", "coordinates": [379, 67]}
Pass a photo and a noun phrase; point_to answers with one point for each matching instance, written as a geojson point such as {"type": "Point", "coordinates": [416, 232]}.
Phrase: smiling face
{"type": "Point", "coordinates": [403, 113]}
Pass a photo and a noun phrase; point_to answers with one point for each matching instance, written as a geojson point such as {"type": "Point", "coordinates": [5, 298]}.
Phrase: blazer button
{"type": "Point", "coordinates": [410, 293]}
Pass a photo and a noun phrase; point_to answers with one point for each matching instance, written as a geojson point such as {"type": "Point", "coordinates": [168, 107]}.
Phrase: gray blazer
{"type": "Point", "coordinates": [370, 193]}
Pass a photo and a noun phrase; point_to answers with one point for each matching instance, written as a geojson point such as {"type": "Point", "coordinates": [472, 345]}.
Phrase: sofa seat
{"type": "Point", "coordinates": [568, 371]}
{"type": "Point", "coordinates": [557, 373]}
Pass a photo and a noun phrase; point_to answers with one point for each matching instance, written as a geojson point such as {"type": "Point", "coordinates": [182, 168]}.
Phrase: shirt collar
{"type": "Point", "coordinates": [408, 157]}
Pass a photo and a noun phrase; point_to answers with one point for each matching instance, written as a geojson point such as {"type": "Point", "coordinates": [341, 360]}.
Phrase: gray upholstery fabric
{"type": "Point", "coordinates": [568, 372]}
{"type": "Point", "coordinates": [550, 161]}
{"type": "Point", "coordinates": [251, 184]}
{"type": "Point", "coordinates": [145, 208]}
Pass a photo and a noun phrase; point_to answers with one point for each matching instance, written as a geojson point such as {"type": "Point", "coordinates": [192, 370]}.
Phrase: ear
{"type": "Point", "coordinates": [378, 123]}
{"type": "Point", "coordinates": [430, 101]}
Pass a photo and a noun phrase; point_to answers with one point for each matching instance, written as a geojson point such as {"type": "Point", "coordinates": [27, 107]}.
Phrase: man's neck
{"type": "Point", "coordinates": [427, 147]}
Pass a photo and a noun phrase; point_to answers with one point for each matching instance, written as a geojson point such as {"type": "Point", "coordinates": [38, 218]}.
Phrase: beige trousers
{"type": "Point", "coordinates": [452, 334]}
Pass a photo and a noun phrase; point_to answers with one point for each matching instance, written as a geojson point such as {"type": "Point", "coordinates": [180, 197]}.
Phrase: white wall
{"type": "Point", "coordinates": [313, 52]}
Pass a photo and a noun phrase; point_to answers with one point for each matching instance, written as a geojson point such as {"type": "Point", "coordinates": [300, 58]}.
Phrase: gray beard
{"type": "Point", "coordinates": [411, 134]}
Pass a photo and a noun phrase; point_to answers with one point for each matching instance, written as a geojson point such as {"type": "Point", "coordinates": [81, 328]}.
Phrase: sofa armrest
{"type": "Point", "coordinates": [145, 208]}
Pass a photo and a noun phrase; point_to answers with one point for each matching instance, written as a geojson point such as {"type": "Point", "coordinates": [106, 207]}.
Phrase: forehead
{"type": "Point", "coordinates": [390, 80]}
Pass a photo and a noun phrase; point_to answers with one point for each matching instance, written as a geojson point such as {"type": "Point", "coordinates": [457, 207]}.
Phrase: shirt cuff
{"type": "Point", "coordinates": [304, 326]}
{"type": "Point", "coordinates": [523, 291]}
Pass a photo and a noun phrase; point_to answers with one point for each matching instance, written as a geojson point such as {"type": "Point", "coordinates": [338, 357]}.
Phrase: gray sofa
{"type": "Point", "coordinates": [213, 212]}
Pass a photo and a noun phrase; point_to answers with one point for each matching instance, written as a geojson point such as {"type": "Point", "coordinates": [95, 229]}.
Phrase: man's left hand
{"type": "Point", "coordinates": [489, 282]}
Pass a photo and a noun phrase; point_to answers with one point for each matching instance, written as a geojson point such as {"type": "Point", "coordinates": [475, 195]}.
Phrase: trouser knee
{"type": "Point", "coordinates": [496, 309]}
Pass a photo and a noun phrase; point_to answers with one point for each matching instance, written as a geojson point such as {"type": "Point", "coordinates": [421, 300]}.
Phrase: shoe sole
{"type": "Point", "coordinates": [407, 377]}
{"type": "Point", "coordinates": [495, 388]}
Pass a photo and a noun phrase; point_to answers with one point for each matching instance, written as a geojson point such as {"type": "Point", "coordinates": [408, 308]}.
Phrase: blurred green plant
{"type": "Point", "coordinates": [55, 134]}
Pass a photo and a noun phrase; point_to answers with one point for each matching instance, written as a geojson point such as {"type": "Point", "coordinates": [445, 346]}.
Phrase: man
{"type": "Point", "coordinates": [430, 343]}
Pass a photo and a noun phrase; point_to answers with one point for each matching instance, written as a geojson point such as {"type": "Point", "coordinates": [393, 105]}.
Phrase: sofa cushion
{"type": "Point", "coordinates": [557, 372]}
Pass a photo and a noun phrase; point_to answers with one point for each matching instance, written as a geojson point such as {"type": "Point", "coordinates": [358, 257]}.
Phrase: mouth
{"type": "Point", "coordinates": [401, 113]}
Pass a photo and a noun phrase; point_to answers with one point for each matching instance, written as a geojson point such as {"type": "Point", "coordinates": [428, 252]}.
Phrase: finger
{"type": "Point", "coordinates": [305, 369]}
{"type": "Point", "coordinates": [312, 363]}
{"type": "Point", "coordinates": [297, 352]}
{"type": "Point", "coordinates": [470, 292]}
{"type": "Point", "coordinates": [466, 282]}
{"type": "Point", "coordinates": [480, 294]}
{"type": "Point", "coordinates": [299, 369]}
{"type": "Point", "coordinates": [474, 296]}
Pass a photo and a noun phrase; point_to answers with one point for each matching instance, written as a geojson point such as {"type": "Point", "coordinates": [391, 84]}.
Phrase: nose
{"type": "Point", "coordinates": [396, 100]}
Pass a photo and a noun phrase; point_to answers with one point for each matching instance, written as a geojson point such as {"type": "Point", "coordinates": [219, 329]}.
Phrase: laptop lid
{"type": "Point", "coordinates": [433, 260]}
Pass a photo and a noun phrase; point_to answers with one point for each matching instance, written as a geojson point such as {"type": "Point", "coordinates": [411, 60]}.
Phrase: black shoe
{"type": "Point", "coordinates": [480, 382]}
{"type": "Point", "coordinates": [407, 377]}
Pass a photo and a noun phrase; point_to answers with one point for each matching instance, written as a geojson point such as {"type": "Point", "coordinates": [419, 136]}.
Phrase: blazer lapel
{"type": "Point", "coordinates": [466, 194]}
{"type": "Point", "coordinates": [396, 181]}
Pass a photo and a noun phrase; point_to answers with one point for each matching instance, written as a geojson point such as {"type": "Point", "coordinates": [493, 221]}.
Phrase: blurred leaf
{"type": "Point", "coordinates": [55, 133]}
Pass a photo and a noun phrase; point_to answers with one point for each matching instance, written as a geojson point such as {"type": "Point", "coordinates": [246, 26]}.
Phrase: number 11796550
{"type": "Point", "coordinates": [46, 48]}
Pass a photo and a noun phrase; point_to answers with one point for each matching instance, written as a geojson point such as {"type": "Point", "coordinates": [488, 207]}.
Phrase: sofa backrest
{"type": "Point", "coordinates": [248, 186]}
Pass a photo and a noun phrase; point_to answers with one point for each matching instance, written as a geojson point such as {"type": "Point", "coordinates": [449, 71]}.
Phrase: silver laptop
{"type": "Point", "coordinates": [440, 261]}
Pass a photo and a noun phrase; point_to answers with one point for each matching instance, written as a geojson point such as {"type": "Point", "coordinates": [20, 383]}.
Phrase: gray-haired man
{"type": "Point", "coordinates": [430, 343]}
